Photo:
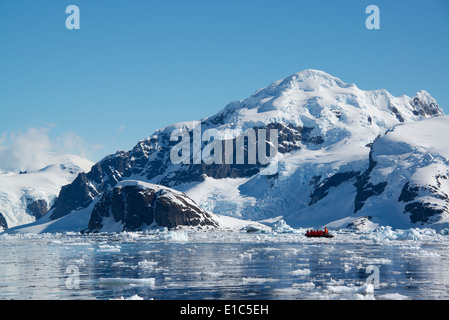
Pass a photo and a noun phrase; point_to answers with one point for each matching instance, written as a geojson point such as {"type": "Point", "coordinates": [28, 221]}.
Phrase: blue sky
{"type": "Point", "coordinates": [135, 66]}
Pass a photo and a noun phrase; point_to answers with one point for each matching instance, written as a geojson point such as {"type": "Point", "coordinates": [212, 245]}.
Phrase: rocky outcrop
{"type": "Point", "coordinates": [3, 223]}
{"type": "Point", "coordinates": [366, 189]}
{"type": "Point", "coordinates": [38, 208]}
{"type": "Point", "coordinates": [136, 206]}
{"type": "Point", "coordinates": [335, 180]}
{"type": "Point", "coordinates": [150, 161]}
{"type": "Point", "coordinates": [422, 201]}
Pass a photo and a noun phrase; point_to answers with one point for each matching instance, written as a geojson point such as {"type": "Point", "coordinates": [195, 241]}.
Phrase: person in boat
{"type": "Point", "coordinates": [326, 231]}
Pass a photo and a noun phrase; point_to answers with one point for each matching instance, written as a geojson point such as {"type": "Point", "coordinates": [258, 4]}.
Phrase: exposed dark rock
{"type": "Point", "coordinates": [425, 108]}
{"type": "Point", "coordinates": [408, 193]}
{"type": "Point", "coordinates": [397, 114]}
{"type": "Point", "coordinates": [150, 160]}
{"type": "Point", "coordinates": [3, 223]}
{"type": "Point", "coordinates": [366, 192]}
{"type": "Point", "coordinates": [366, 189]}
{"type": "Point", "coordinates": [337, 113]}
{"type": "Point", "coordinates": [76, 195]}
{"type": "Point", "coordinates": [359, 223]}
{"type": "Point", "coordinates": [134, 207]}
{"type": "Point", "coordinates": [422, 212]}
{"type": "Point", "coordinates": [322, 189]}
{"type": "Point", "coordinates": [37, 208]}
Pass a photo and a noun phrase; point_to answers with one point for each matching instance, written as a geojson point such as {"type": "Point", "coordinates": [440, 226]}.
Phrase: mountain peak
{"type": "Point", "coordinates": [306, 80]}
{"type": "Point", "coordinates": [312, 76]}
{"type": "Point", "coordinates": [315, 98]}
{"type": "Point", "coordinates": [424, 103]}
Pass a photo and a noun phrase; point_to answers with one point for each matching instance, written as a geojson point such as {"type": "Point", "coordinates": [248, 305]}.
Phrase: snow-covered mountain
{"type": "Point", "coordinates": [27, 195]}
{"type": "Point", "coordinates": [328, 165]}
{"type": "Point", "coordinates": [407, 182]}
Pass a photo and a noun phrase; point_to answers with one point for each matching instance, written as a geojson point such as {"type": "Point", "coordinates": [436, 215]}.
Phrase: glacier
{"type": "Point", "coordinates": [345, 155]}
{"type": "Point", "coordinates": [27, 195]}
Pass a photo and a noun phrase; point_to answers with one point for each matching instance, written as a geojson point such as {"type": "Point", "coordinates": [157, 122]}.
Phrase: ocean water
{"type": "Point", "coordinates": [180, 265]}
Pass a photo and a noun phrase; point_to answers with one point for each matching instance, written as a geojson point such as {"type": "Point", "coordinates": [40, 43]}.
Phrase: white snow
{"type": "Point", "coordinates": [300, 272]}
{"type": "Point", "coordinates": [134, 297]}
{"type": "Point", "coordinates": [220, 195]}
{"type": "Point", "coordinates": [347, 118]}
{"type": "Point", "coordinates": [415, 152]}
{"type": "Point", "coordinates": [18, 190]}
{"type": "Point", "coordinates": [392, 296]}
{"type": "Point", "coordinates": [76, 221]}
{"type": "Point", "coordinates": [108, 248]}
{"type": "Point", "coordinates": [127, 281]}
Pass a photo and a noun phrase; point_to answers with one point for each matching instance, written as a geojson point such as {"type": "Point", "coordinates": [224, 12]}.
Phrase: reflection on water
{"type": "Point", "coordinates": [218, 265]}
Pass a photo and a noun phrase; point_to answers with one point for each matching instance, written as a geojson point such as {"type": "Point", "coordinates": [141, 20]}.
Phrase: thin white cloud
{"type": "Point", "coordinates": [32, 150]}
{"type": "Point", "coordinates": [25, 151]}
{"type": "Point", "coordinates": [121, 128]}
{"type": "Point", "coordinates": [71, 143]}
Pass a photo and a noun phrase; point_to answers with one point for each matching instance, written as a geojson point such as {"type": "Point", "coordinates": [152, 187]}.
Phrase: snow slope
{"type": "Point", "coordinates": [346, 118]}
{"type": "Point", "coordinates": [78, 221]}
{"type": "Point", "coordinates": [413, 161]}
{"type": "Point", "coordinates": [327, 165]}
{"type": "Point", "coordinates": [18, 191]}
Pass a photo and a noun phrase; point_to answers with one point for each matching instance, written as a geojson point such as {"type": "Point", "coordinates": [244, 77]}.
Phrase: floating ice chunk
{"type": "Point", "coordinates": [366, 289]}
{"type": "Point", "coordinates": [245, 255]}
{"type": "Point", "coordinates": [108, 248]}
{"type": "Point", "coordinates": [177, 236]}
{"type": "Point", "coordinates": [386, 233]}
{"type": "Point", "coordinates": [282, 227]}
{"type": "Point", "coordinates": [147, 264]}
{"type": "Point", "coordinates": [288, 292]}
{"type": "Point", "coordinates": [134, 297]}
{"type": "Point", "coordinates": [307, 285]}
{"type": "Point", "coordinates": [300, 272]}
{"type": "Point", "coordinates": [120, 264]}
{"type": "Point", "coordinates": [80, 262]}
{"type": "Point", "coordinates": [346, 267]}
{"type": "Point", "coordinates": [373, 261]}
{"type": "Point", "coordinates": [392, 296]}
{"type": "Point", "coordinates": [380, 234]}
{"type": "Point", "coordinates": [410, 234]}
{"type": "Point", "coordinates": [422, 253]}
{"type": "Point", "coordinates": [127, 281]}
{"type": "Point", "coordinates": [355, 293]}
{"type": "Point", "coordinates": [253, 280]}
